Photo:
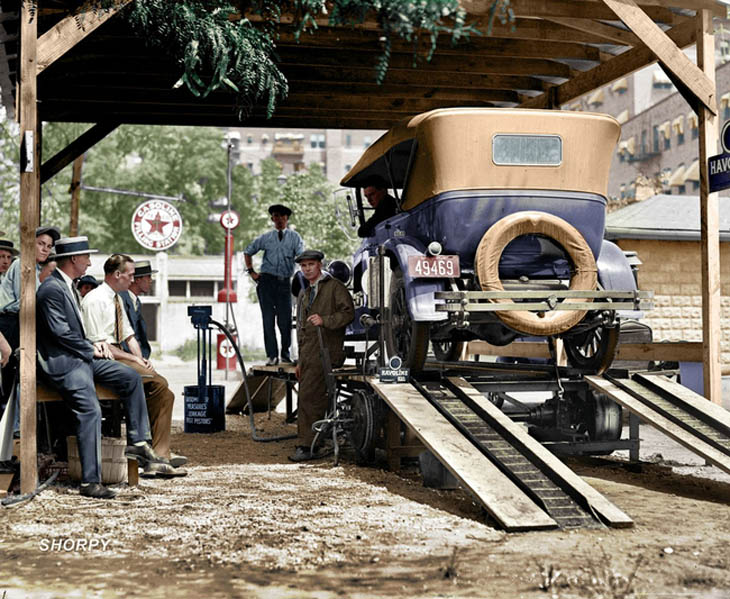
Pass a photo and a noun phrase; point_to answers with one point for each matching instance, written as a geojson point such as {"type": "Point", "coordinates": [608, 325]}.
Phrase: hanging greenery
{"type": "Point", "coordinates": [217, 46]}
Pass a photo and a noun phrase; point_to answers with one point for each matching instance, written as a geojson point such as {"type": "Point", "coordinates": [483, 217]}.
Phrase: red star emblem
{"type": "Point", "coordinates": [156, 224]}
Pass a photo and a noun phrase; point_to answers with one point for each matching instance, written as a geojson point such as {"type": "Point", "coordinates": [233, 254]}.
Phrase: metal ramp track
{"type": "Point", "coordinates": [688, 418]}
{"type": "Point", "coordinates": [511, 500]}
{"type": "Point", "coordinates": [506, 456]}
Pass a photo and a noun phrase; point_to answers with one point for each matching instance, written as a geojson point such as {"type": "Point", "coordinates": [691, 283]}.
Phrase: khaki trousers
{"type": "Point", "coordinates": [160, 401]}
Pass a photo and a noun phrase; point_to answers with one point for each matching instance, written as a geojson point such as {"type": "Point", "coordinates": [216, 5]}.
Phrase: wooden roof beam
{"type": "Point", "coordinates": [75, 149]}
{"type": "Point", "coordinates": [68, 32]}
{"type": "Point", "coordinates": [579, 9]}
{"type": "Point", "coordinates": [682, 35]}
{"type": "Point", "coordinates": [439, 63]}
{"type": "Point", "coordinates": [717, 9]}
{"type": "Point", "coordinates": [671, 57]}
{"type": "Point", "coordinates": [609, 34]}
{"type": "Point", "coordinates": [334, 40]}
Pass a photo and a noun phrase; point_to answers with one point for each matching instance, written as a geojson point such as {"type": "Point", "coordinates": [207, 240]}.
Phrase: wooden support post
{"type": "Point", "coordinates": [709, 221]}
{"type": "Point", "coordinates": [29, 207]}
{"type": "Point", "coordinates": [73, 226]}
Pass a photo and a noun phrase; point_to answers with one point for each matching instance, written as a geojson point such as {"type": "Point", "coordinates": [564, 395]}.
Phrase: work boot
{"type": "Point", "coordinates": [157, 470]}
{"type": "Point", "coordinates": [272, 361]}
{"type": "Point", "coordinates": [97, 491]}
{"type": "Point", "coordinates": [144, 454]}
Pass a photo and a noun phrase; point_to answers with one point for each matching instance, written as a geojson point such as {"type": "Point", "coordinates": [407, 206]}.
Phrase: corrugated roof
{"type": "Point", "coordinates": [669, 217]}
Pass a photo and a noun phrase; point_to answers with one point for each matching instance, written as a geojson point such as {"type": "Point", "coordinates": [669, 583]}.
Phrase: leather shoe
{"type": "Point", "coordinates": [97, 491]}
{"type": "Point", "coordinates": [272, 361]}
{"type": "Point", "coordinates": [144, 454]}
{"type": "Point", "coordinates": [157, 470]}
{"type": "Point", "coordinates": [303, 454]}
{"type": "Point", "coordinates": [286, 360]}
{"type": "Point", "coordinates": [177, 460]}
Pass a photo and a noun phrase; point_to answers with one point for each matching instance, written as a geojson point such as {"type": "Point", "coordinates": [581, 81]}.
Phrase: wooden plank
{"type": "Point", "coordinates": [608, 32]}
{"type": "Point", "coordinates": [661, 423]}
{"type": "Point", "coordinates": [499, 495]}
{"type": "Point", "coordinates": [609, 512]}
{"type": "Point", "coordinates": [662, 46]}
{"type": "Point", "coordinates": [670, 352]}
{"type": "Point", "coordinates": [682, 35]}
{"type": "Point", "coordinates": [709, 222]}
{"type": "Point", "coordinates": [691, 398]}
{"type": "Point", "coordinates": [29, 214]}
{"type": "Point", "coordinates": [580, 9]}
{"type": "Point", "coordinates": [73, 224]}
{"type": "Point", "coordinates": [68, 32]}
{"type": "Point", "coordinates": [715, 7]}
{"type": "Point", "coordinates": [45, 394]}
{"type": "Point", "coordinates": [76, 148]}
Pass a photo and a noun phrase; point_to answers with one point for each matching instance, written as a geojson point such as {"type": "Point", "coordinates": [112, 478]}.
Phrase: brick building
{"type": "Point", "coordinates": [665, 232]}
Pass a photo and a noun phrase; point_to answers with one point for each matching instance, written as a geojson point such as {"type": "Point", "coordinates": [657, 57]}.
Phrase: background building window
{"type": "Point", "coordinates": [177, 288]}
{"type": "Point", "coordinates": [313, 141]}
{"type": "Point", "coordinates": [202, 288]}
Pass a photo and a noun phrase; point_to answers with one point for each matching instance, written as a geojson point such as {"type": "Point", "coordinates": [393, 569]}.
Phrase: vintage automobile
{"type": "Point", "coordinates": [498, 234]}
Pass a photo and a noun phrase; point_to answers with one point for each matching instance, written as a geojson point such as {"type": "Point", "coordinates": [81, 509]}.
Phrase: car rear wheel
{"type": "Point", "coordinates": [594, 350]}
{"type": "Point", "coordinates": [403, 336]}
{"type": "Point", "coordinates": [447, 351]}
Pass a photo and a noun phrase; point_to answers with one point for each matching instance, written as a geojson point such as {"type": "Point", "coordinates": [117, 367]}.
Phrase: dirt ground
{"type": "Point", "coordinates": [246, 522]}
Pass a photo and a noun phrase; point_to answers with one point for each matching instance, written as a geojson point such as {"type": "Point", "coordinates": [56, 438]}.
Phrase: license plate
{"type": "Point", "coordinates": [438, 267]}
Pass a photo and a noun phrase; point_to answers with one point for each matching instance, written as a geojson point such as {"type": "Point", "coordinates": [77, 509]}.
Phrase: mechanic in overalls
{"type": "Point", "coordinates": [325, 304]}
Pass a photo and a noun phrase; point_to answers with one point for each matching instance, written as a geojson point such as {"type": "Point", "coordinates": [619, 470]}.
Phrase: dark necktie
{"type": "Point", "coordinates": [77, 297]}
{"type": "Point", "coordinates": [117, 319]}
{"type": "Point", "coordinates": [281, 235]}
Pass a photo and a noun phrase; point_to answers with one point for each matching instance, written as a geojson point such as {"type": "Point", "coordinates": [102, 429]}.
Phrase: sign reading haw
{"type": "Point", "coordinates": [156, 225]}
{"type": "Point", "coordinates": [719, 166]}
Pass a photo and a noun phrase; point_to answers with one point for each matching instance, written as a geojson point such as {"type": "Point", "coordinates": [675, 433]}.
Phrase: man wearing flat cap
{"type": "Point", "coordinates": [86, 284]}
{"type": "Point", "coordinates": [71, 363]}
{"type": "Point", "coordinates": [141, 284]}
{"type": "Point", "coordinates": [45, 237]}
{"type": "Point", "coordinates": [280, 247]}
{"type": "Point", "coordinates": [326, 304]}
{"type": "Point", "coordinates": [7, 253]}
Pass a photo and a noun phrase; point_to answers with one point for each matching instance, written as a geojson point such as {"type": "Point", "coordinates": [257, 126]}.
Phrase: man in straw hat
{"type": "Point", "coordinates": [280, 247]}
{"type": "Point", "coordinates": [70, 363]}
{"type": "Point", "coordinates": [141, 284]}
{"type": "Point", "coordinates": [105, 321]}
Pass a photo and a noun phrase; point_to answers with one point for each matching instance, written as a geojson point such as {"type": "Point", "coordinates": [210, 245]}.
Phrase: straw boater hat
{"type": "Point", "coordinates": [7, 245]}
{"type": "Point", "coordinates": [142, 268]}
{"type": "Point", "coordinates": [73, 246]}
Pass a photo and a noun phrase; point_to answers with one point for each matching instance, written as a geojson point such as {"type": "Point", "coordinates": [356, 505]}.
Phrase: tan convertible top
{"type": "Point", "coordinates": [453, 151]}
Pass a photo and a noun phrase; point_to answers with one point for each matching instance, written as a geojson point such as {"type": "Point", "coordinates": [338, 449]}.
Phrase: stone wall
{"type": "Point", "coordinates": [672, 270]}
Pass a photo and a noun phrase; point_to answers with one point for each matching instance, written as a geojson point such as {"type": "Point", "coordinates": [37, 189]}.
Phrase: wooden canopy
{"type": "Point", "coordinates": [61, 61]}
{"type": "Point", "coordinates": [554, 51]}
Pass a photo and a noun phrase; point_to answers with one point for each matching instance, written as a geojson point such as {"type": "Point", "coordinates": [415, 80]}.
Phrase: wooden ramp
{"type": "Point", "coordinates": [506, 502]}
{"type": "Point", "coordinates": [688, 418]}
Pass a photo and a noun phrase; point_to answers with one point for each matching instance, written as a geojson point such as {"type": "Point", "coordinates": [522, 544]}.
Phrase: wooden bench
{"type": "Point", "coordinates": [45, 394]}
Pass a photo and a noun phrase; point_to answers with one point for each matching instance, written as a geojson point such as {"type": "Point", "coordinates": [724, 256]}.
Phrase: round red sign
{"type": "Point", "coordinates": [156, 225]}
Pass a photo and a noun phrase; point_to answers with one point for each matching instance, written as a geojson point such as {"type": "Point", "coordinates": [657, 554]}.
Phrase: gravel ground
{"type": "Point", "coordinates": [246, 522]}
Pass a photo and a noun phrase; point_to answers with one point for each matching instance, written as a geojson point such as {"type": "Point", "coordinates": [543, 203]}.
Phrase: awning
{"type": "Point", "coordinates": [678, 176]}
{"type": "Point", "coordinates": [597, 97]}
{"type": "Point", "coordinates": [692, 120]}
{"type": "Point", "coordinates": [659, 77]}
{"type": "Point", "coordinates": [693, 172]}
{"type": "Point", "coordinates": [623, 116]}
{"type": "Point", "coordinates": [631, 145]}
{"type": "Point", "coordinates": [621, 85]}
{"type": "Point", "coordinates": [724, 100]}
{"type": "Point", "coordinates": [666, 129]}
{"type": "Point", "coordinates": [575, 106]}
{"type": "Point", "coordinates": [678, 125]}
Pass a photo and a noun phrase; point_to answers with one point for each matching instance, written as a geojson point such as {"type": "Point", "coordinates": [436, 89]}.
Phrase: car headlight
{"type": "Point", "coordinates": [435, 248]}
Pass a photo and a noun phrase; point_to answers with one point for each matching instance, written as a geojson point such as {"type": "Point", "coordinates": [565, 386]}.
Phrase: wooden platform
{"type": "Point", "coordinates": [497, 493]}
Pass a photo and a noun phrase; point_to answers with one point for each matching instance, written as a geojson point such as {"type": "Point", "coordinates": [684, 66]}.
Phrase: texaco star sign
{"type": "Point", "coordinates": [156, 225]}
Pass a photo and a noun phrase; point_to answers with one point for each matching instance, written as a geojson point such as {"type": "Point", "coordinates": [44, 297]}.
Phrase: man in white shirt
{"type": "Point", "coordinates": [106, 321]}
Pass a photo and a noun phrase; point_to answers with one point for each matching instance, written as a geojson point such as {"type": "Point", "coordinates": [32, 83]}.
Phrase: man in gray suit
{"type": "Point", "coordinates": [71, 364]}
{"type": "Point", "coordinates": [133, 306]}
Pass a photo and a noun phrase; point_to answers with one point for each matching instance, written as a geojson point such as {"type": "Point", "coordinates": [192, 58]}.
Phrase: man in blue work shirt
{"type": "Point", "coordinates": [280, 247]}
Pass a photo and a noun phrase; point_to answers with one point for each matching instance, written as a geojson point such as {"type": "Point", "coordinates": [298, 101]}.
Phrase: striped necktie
{"type": "Point", "coordinates": [117, 319]}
